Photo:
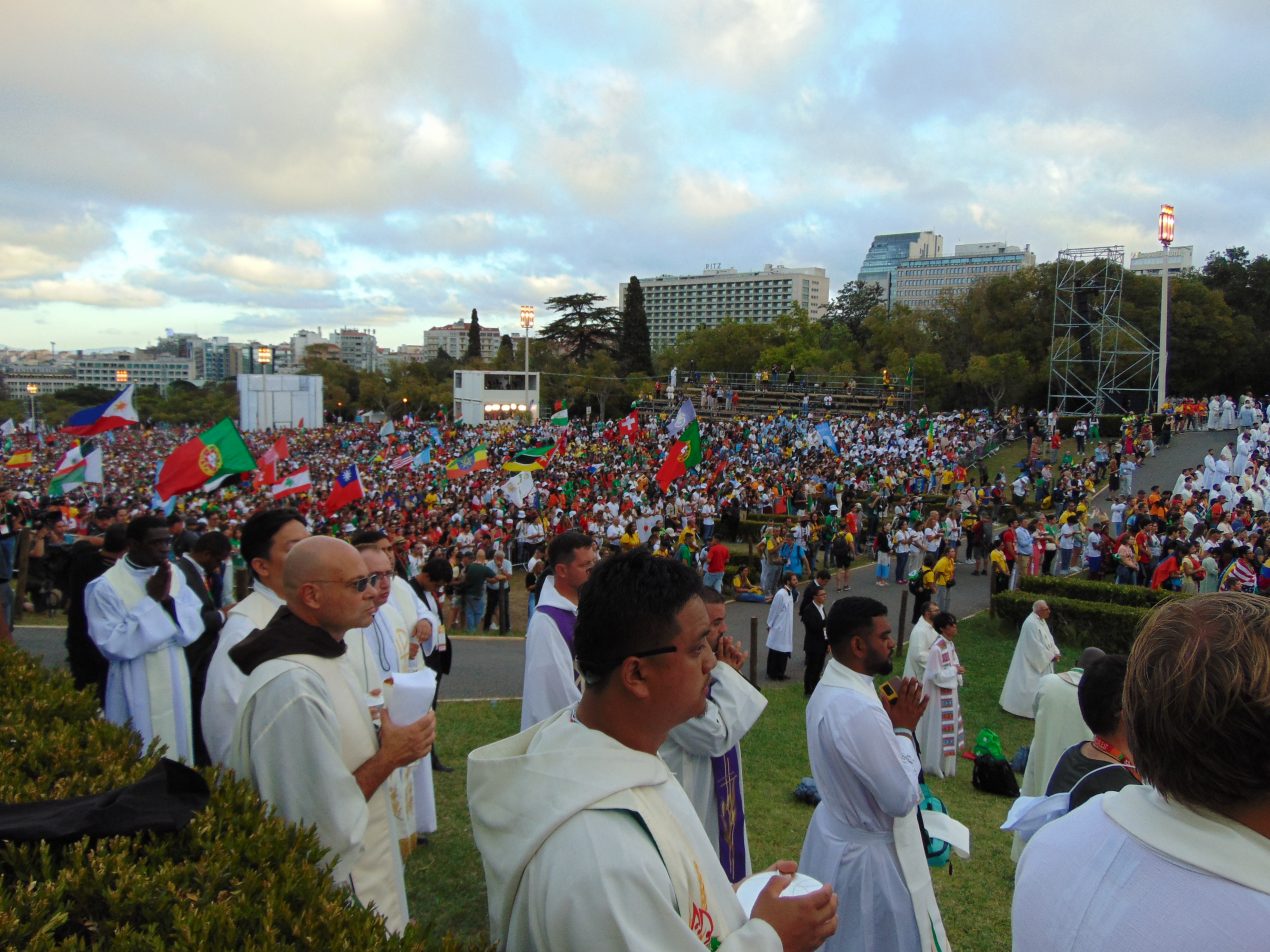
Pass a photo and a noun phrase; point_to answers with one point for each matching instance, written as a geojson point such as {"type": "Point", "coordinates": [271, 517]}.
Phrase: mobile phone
{"type": "Point", "coordinates": [889, 693]}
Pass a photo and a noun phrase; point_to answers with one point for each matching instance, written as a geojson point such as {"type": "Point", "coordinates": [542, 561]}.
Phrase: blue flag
{"type": "Point", "coordinates": [435, 434]}
{"type": "Point", "coordinates": [827, 437]}
{"type": "Point", "coordinates": [423, 459]}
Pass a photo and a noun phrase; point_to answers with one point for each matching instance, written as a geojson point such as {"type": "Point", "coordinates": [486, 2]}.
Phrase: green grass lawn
{"type": "Point", "coordinates": [445, 881]}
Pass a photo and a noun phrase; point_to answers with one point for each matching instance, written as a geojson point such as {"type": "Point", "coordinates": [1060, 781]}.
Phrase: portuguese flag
{"type": "Point", "coordinates": [531, 458]}
{"type": "Point", "coordinates": [684, 454]}
{"type": "Point", "coordinates": [212, 454]}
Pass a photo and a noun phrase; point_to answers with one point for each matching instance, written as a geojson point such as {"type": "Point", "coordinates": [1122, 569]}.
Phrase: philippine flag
{"type": "Point", "coordinates": [111, 415]}
{"type": "Point", "coordinates": [347, 488]}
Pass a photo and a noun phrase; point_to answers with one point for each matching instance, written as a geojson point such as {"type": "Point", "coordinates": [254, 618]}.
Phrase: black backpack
{"type": "Point", "coordinates": [994, 775]}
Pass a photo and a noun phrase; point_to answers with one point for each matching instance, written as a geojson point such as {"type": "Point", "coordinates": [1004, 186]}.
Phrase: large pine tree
{"type": "Point", "coordinates": [634, 350]}
{"type": "Point", "coordinates": [474, 338]}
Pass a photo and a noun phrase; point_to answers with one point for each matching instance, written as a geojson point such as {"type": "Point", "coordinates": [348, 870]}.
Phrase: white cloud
{"type": "Point", "coordinates": [81, 291]}
{"type": "Point", "coordinates": [712, 197]}
{"type": "Point", "coordinates": [261, 272]}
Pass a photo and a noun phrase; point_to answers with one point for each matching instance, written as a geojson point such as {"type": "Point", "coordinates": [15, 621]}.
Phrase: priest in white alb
{"type": "Point", "coordinates": [864, 836]}
{"type": "Point", "coordinates": [1034, 655]}
{"type": "Point", "coordinates": [266, 539]}
{"type": "Point", "coordinates": [920, 639]}
{"type": "Point", "coordinates": [704, 753]}
{"type": "Point", "coordinates": [941, 734]}
{"type": "Point", "coordinates": [587, 839]}
{"type": "Point", "coordinates": [141, 615]}
{"type": "Point", "coordinates": [780, 628]}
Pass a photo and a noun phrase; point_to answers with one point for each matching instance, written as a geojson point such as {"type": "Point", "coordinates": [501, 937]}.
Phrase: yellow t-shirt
{"type": "Point", "coordinates": [998, 560]}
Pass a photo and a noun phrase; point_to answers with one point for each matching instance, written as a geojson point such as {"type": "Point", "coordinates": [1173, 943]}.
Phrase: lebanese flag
{"type": "Point", "coordinates": [347, 488]}
{"type": "Point", "coordinates": [111, 415]}
{"type": "Point", "coordinates": [629, 427]}
{"type": "Point", "coordinates": [297, 482]}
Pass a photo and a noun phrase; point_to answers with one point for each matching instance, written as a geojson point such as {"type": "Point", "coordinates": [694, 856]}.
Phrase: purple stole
{"type": "Point", "coordinates": [731, 812]}
{"type": "Point", "coordinates": [565, 621]}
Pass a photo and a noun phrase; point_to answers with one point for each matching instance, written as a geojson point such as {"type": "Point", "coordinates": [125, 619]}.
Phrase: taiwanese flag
{"type": "Point", "coordinates": [347, 488]}
{"type": "Point", "coordinates": [211, 455]}
{"type": "Point", "coordinates": [684, 454]}
{"type": "Point", "coordinates": [114, 413]}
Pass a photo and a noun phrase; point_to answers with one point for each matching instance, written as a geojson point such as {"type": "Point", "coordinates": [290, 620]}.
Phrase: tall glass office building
{"type": "Point", "coordinates": [887, 251]}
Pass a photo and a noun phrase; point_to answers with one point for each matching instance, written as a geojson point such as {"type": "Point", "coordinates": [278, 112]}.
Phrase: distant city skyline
{"type": "Point", "coordinates": [248, 170]}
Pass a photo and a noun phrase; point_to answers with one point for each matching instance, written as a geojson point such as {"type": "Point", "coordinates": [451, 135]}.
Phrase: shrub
{"type": "Point", "coordinates": [1076, 623]}
{"type": "Point", "coordinates": [1106, 592]}
{"type": "Point", "coordinates": [237, 877]}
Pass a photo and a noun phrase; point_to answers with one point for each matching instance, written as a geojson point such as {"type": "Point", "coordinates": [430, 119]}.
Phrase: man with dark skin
{"type": "Point", "coordinates": [141, 613]}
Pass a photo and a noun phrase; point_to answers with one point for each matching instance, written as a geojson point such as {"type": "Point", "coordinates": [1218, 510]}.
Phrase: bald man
{"type": "Point", "coordinates": [304, 736]}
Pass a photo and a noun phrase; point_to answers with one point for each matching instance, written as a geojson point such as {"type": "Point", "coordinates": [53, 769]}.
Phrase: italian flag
{"type": "Point", "coordinates": [297, 482]}
{"type": "Point", "coordinates": [212, 454]}
{"type": "Point", "coordinates": [684, 454]}
{"type": "Point", "coordinates": [561, 416]}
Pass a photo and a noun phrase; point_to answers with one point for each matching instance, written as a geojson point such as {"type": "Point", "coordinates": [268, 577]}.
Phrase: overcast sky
{"type": "Point", "coordinates": [251, 168]}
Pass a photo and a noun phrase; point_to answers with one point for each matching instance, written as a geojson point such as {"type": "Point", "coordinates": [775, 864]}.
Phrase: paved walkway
{"type": "Point", "coordinates": [493, 667]}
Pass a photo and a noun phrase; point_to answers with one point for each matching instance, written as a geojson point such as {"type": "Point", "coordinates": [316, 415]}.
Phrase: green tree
{"type": "Point", "coordinates": [584, 328]}
{"type": "Point", "coordinates": [506, 356]}
{"type": "Point", "coordinates": [634, 350]}
{"type": "Point", "coordinates": [999, 377]}
{"type": "Point", "coordinates": [473, 338]}
{"type": "Point", "coordinates": [854, 302]}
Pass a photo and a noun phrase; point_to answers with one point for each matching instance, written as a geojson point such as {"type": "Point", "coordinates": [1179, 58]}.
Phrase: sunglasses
{"type": "Point", "coordinates": [360, 584]}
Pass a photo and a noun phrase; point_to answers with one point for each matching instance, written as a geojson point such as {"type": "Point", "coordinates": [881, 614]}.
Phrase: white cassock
{"type": "Point", "coordinates": [732, 709]}
{"type": "Point", "coordinates": [1210, 471]}
{"type": "Point", "coordinates": [611, 854]}
{"type": "Point", "coordinates": [413, 609]}
{"type": "Point", "coordinates": [922, 637]}
{"type": "Point", "coordinates": [1227, 414]}
{"type": "Point", "coordinates": [375, 654]}
{"type": "Point", "coordinates": [1058, 726]}
{"type": "Point", "coordinates": [780, 621]}
{"type": "Point", "coordinates": [1214, 413]}
{"type": "Point", "coordinates": [148, 683]}
{"type": "Point", "coordinates": [1182, 879]}
{"type": "Point", "coordinates": [225, 679]}
{"type": "Point", "coordinates": [941, 733]}
{"type": "Point", "coordinates": [863, 837]}
{"type": "Point", "coordinates": [303, 728]}
{"type": "Point", "coordinates": [1033, 659]}
{"type": "Point", "coordinates": [551, 682]}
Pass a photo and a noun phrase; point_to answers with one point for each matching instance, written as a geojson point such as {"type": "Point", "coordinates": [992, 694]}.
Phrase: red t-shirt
{"type": "Point", "coordinates": [717, 557]}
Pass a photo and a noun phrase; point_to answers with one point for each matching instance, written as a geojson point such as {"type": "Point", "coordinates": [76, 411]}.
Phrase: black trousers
{"type": "Point", "coordinates": [776, 662]}
{"type": "Point", "coordinates": [815, 652]}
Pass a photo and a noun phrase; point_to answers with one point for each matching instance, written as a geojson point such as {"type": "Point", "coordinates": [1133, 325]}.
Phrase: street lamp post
{"type": "Point", "coordinates": [32, 389]}
{"type": "Point", "coordinates": [1166, 239]}
{"type": "Point", "coordinates": [527, 322]}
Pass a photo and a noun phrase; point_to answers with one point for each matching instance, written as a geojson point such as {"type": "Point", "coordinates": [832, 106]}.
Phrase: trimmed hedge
{"type": "Point", "coordinates": [1104, 592]}
{"type": "Point", "coordinates": [1076, 623]}
{"type": "Point", "coordinates": [238, 877]}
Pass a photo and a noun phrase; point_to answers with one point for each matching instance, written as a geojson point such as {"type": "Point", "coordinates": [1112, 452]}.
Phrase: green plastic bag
{"type": "Point", "coordinates": [987, 742]}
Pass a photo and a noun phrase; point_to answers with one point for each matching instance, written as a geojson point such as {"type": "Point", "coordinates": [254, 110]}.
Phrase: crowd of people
{"type": "Point", "coordinates": [633, 700]}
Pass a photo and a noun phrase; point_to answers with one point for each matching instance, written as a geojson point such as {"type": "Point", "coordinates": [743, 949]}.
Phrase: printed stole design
{"type": "Point", "coordinates": [951, 732]}
{"type": "Point", "coordinates": [731, 811]}
{"type": "Point", "coordinates": [565, 621]}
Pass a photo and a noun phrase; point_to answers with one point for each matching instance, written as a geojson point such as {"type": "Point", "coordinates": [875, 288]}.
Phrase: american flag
{"type": "Point", "coordinates": [402, 460]}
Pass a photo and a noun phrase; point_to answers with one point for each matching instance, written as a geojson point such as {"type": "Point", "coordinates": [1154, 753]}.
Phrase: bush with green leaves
{"type": "Point", "coordinates": [237, 877]}
{"type": "Point", "coordinates": [1076, 623]}
{"type": "Point", "coordinates": [1134, 595]}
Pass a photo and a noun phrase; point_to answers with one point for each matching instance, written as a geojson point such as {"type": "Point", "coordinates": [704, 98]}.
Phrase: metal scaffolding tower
{"type": "Point", "coordinates": [1099, 363]}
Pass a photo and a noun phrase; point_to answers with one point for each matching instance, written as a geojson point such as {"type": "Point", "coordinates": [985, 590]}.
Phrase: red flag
{"type": "Point", "coordinates": [629, 427]}
{"type": "Point", "coordinates": [718, 471]}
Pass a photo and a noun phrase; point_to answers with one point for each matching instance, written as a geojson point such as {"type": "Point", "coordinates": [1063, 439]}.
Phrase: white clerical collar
{"type": "Point", "coordinates": [265, 592]}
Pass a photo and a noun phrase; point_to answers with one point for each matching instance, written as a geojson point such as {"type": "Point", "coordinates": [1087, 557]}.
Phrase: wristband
{"type": "Point", "coordinates": [906, 733]}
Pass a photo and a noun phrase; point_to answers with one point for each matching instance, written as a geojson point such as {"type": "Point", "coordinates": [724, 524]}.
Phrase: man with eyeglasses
{"type": "Point", "coordinates": [304, 736]}
{"type": "Point", "coordinates": [586, 838]}
{"type": "Point", "coordinates": [551, 682]}
{"type": "Point", "coordinates": [141, 615]}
